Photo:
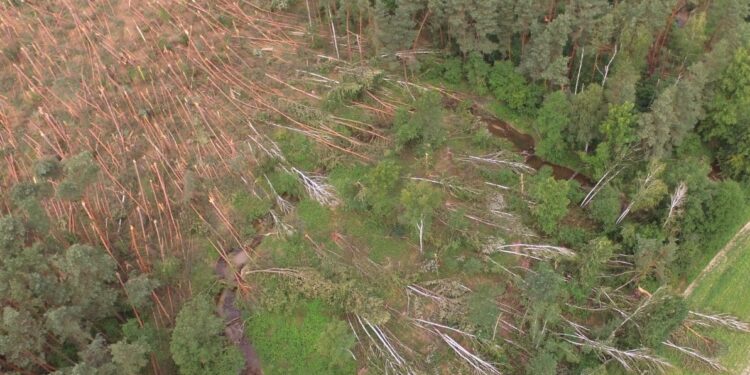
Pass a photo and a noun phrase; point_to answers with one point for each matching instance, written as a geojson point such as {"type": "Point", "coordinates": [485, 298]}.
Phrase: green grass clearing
{"type": "Point", "coordinates": [725, 290]}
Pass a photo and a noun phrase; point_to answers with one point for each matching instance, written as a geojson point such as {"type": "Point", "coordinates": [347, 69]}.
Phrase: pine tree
{"type": "Point", "coordinates": [544, 60]}
{"type": "Point", "coordinates": [588, 110]}
{"type": "Point", "coordinates": [552, 121]}
{"type": "Point", "coordinates": [198, 346]}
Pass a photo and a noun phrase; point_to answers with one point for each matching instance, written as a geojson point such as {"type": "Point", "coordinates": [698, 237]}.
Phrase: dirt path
{"type": "Point", "coordinates": [720, 256]}
{"type": "Point", "coordinates": [234, 327]}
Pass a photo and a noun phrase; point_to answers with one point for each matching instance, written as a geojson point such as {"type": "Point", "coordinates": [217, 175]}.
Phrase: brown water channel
{"type": "Point", "coordinates": [523, 142]}
{"type": "Point", "coordinates": [234, 327]}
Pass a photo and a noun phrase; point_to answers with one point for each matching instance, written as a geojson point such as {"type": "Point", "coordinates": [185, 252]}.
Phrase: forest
{"type": "Point", "coordinates": [374, 187]}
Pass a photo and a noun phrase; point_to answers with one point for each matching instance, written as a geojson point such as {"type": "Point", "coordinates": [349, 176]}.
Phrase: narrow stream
{"type": "Point", "coordinates": [234, 327]}
{"type": "Point", "coordinates": [523, 142]}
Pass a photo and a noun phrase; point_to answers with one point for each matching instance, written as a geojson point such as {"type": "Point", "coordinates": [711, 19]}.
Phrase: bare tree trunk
{"type": "Point", "coordinates": [606, 67]}
{"type": "Point", "coordinates": [420, 228]}
{"type": "Point", "coordinates": [333, 30]}
{"type": "Point", "coordinates": [580, 66]}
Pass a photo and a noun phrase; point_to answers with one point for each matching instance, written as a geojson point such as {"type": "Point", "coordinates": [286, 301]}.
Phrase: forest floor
{"type": "Point", "coordinates": [722, 287]}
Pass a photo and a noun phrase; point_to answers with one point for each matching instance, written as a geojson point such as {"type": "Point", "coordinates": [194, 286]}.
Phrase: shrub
{"type": "Point", "coordinates": [286, 184]}
{"type": "Point", "coordinates": [198, 346]}
{"type": "Point", "coordinates": [247, 209]}
{"type": "Point", "coordinates": [477, 71]}
{"type": "Point", "coordinates": [510, 87]}
{"type": "Point", "coordinates": [605, 207]}
{"type": "Point", "coordinates": [452, 70]}
{"type": "Point", "coordinates": [551, 197]}
{"type": "Point", "coordinates": [316, 219]}
{"type": "Point", "coordinates": [304, 339]}
{"type": "Point", "coordinates": [423, 126]}
{"type": "Point", "coordinates": [381, 185]}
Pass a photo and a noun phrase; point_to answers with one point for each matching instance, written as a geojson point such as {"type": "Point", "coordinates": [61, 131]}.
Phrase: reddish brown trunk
{"type": "Point", "coordinates": [419, 31]}
{"type": "Point", "coordinates": [551, 11]}
{"type": "Point", "coordinates": [661, 39]}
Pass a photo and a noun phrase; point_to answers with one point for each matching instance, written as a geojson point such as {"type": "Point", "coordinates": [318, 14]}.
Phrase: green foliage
{"type": "Point", "coordinates": [381, 184]}
{"type": "Point", "coordinates": [25, 192]}
{"type": "Point", "coordinates": [303, 339]}
{"type": "Point", "coordinates": [469, 24]}
{"type": "Point", "coordinates": [95, 359]}
{"type": "Point", "coordinates": [618, 133]}
{"type": "Point", "coordinates": [139, 288]}
{"type": "Point", "coordinates": [551, 200]}
{"type": "Point", "coordinates": [651, 189]}
{"type": "Point", "coordinates": [712, 213]}
{"type": "Point", "coordinates": [19, 335]}
{"type": "Point", "coordinates": [395, 23]}
{"type": "Point", "coordinates": [48, 168]}
{"type": "Point", "coordinates": [588, 110]}
{"type": "Point", "coordinates": [80, 171]}
{"type": "Point", "coordinates": [354, 85]}
{"type": "Point", "coordinates": [49, 293]}
{"type": "Point", "coordinates": [592, 260]}
{"type": "Point", "coordinates": [286, 184]}
{"type": "Point", "coordinates": [483, 310]}
{"type": "Point", "coordinates": [543, 363]}
{"type": "Point", "coordinates": [12, 233]}
{"type": "Point", "coordinates": [652, 257]}
{"type": "Point", "coordinates": [247, 209]}
{"type": "Point", "coordinates": [420, 201]}
{"type": "Point", "coordinates": [348, 181]}
{"type": "Point", "coordinates": [130, 358]}
{"type": "Point", "coordinates": [298, 150]}
{"type": "Point", "coordinates": [511, 88]}
{"type": "Point", "coordinates": [291, 251]}
{"type": "Point", "coordinates": [198, 345]}
{"type": "Point", "coordinates": [452, 70]}
{"type": "Point", "coordinates": [544, 60]}
{"type": "Point", "coordinates": [477, 71]}
{"type": "Point", "coordinates": [728, 111]}
{"type": "Point", "coordinates": [424, 126]}
{"type": "Point", "coordinates": [605, 207]}
{"type": "Point", "coordinates": [316, 219]}
{"type": "Point", "coordinates": [553, 118]}
{"type": "Point", "coordinates": [337, 288]}
{"type": "Point", "coordinates": [543, 291]}
{"type": "Point", "coordinates": [657, 320]}
{"type": "Point", "coordinates": [572, 236]}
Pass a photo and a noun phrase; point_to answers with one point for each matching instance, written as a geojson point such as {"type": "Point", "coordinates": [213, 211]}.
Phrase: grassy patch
{"type": "Point", "coordinates": [305, 339]}
{"type": "Point", "coordinates": [724, 290]}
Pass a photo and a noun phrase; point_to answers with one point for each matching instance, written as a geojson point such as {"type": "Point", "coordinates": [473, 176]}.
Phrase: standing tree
{"type": "Point", "coordinates": [674, 113]}
{"type": "Point", "coordinates": [727, 115]}
{"type": "Point", "coordinates": [54, 295]}
{"type": "Point", "coordinates": [420, 201]}
{"type": "Point", "coordinates": [543, 291]}
{"type": "Point", "coordinates": [544, 60]}
{"type": "Point", "coordinates": [552, 121]}
{"type": "Point", "coordinates": [551, 200]}
{"type": "Point", "coordinates": [469, 23]}
{"type": "Point", "coordinates": [423, 126]}
{"type": "Point", "coordinates": [198, 346]}
{"type": "Point", "coordinates": [592, 261]}
{"type": "Point", "coordinates": [510, 87]}
{"type": "Point", "coordinates": [619, 135]}
{"type": "Point", "coordinates": [588, 110]}
{"type": "Point", "coordinates": [396, 23]}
